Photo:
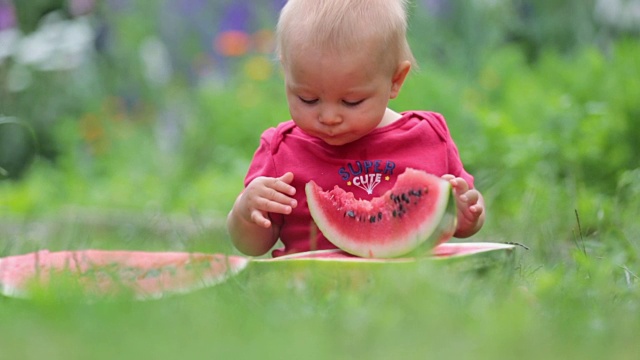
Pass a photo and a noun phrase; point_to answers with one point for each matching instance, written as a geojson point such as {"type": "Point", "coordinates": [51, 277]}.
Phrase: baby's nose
{"type": "Point", "coordinates": [330, 118]}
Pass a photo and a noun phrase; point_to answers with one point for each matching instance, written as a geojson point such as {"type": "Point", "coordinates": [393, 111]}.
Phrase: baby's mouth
{"type": "Point", "coordinates": [334, 139]}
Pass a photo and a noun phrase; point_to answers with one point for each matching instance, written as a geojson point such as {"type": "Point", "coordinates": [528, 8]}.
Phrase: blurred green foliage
{"type": "Point", "coordinates": [540, 97]}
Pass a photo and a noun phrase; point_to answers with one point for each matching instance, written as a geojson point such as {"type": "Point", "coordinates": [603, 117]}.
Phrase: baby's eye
{"type": "Point", "coordinates": [308, 101]}
{"type": "Point", "coordinates": [352, 103]}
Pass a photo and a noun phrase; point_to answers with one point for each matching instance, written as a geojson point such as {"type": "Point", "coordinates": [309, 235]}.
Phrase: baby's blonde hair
{"type": "Point", "coordinates": [344, 25]}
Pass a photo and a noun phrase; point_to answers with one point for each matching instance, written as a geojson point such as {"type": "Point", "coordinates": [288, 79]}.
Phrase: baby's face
{"type": "Point", "coordinates": [338, 98]}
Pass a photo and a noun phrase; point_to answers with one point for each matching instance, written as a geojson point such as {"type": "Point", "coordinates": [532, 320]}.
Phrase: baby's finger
{"type": "Point", "coordinates": [279, 207]}
{"type": "Point", "coordinates": [457, 183]}
{"type": "Point", "coordinates": [282, 184]}
{"type": "Point", "coordinates": [476, 210]}
{"type": "Point", "coordinates": [273, 195]}
{"type": "Point", "coordinates": [460, 185]}
{"type": "Point", "coordinates": [471, 197]}
{"type": "Point", "coordinates": [259, 219]}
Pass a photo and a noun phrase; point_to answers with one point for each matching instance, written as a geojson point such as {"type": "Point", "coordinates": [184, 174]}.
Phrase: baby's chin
{"type": "Point", "coordinates": [335, 142]}
{"type": "Point", "coordinates": [339, 140]}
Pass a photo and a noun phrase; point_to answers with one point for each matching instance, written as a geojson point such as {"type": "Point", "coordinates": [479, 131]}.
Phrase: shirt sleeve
{"type": "Point", "coordinates": [262, 163]}
{"type": "Point", "coordinates": [454, 163]}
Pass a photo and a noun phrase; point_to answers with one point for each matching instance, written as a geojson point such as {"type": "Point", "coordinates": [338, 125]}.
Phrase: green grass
{"type": "Point", "coordinates": [580, 310]}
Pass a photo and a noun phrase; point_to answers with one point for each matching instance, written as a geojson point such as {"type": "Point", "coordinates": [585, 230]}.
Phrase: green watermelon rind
{"type": "Point", "coordinates": [387, 248]}
{"type": "Point", "coordinates": [442, 233]}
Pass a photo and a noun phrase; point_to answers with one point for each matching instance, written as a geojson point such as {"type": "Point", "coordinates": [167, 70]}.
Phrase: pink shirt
{"type": "Point", "coordinates": [367, 167]}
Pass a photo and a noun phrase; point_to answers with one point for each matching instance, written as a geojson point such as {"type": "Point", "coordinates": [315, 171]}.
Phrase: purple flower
{"type": "Point", "coordinates": [237, 16]}
{"type": "Point", "coordinates": [7, 15]}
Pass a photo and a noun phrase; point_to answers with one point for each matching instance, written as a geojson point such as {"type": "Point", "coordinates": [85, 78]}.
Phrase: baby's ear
{"type": "Point", "coordinates": [398, 78]}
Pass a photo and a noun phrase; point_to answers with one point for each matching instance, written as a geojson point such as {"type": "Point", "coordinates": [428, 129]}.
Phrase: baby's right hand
{"type": "Point", "coordinates": [264, 195]}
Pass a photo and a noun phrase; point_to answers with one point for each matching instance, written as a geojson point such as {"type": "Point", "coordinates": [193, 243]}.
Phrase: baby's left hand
{"type": "Point", "coordinates": [470, 206]}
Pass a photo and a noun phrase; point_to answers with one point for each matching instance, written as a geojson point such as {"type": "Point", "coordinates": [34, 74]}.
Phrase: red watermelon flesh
{"type": "Point", "coordinates": [450, 250]}
{"type": "Point", "coordinates": [417, 212]}
{"type": "Point", "coordinates": [145, 275]}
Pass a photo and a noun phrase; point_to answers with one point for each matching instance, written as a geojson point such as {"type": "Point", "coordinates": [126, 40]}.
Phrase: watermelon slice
{"type": "Point", "coordinates": [443, 251]}
{"type": "Point", "coordinates": [151, 275]}
{"type": "Point", "coordinates": [411, 218]}
{"type": "Point", "coordinates": [145, 275]}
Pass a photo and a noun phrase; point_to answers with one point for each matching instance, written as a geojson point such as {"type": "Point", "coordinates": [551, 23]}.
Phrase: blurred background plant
{"type": "Point", "coordinates": [157, 107]}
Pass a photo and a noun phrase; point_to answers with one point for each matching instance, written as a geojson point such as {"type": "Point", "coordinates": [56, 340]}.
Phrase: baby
{"type": "Point", "coordinates": [343, 60]}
